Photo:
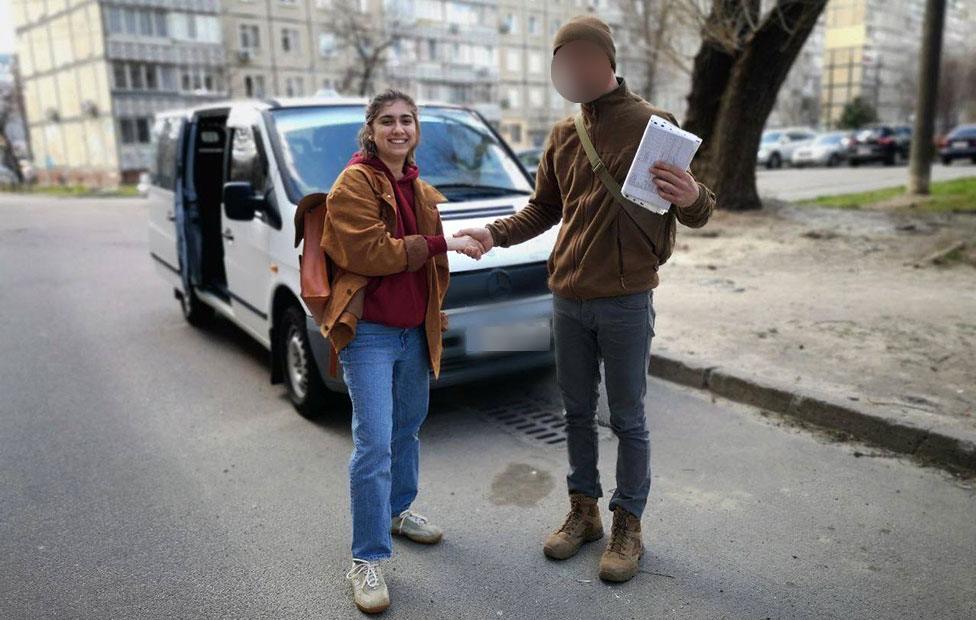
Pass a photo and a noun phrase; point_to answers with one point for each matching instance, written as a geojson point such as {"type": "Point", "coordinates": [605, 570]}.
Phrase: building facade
{"type": "Point", "coordinates": [95, 71]}
{"type": "Point", "coordinates": [871, 51]}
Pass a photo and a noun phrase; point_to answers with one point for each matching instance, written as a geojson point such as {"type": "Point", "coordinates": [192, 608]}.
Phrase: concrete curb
{"type": "Point", "coordinates": [946, 447]}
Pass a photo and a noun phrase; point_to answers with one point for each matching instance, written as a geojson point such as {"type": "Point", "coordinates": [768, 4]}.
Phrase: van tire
{"type": "Point", "coordinates": [196, 313]}
{"type": "Point", "coordinates": [299, 372]}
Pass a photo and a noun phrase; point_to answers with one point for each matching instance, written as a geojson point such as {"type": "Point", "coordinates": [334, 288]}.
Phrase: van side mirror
{"type": "Point", "coordinates": [241, 202]}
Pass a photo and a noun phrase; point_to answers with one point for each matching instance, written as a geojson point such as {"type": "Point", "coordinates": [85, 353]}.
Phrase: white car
{"type": "Point", "coordinates": [827, 149]}
{"type": "Point", "coordinates": [234, 256]}
{"type": "Point", "coordinates": [777, 145]}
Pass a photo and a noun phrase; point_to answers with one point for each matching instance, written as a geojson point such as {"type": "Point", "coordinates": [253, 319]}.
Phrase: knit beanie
{"type": "Point", "coordinates": [590, 28]}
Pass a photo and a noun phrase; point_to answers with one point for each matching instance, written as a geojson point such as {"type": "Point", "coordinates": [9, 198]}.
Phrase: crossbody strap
{"type": "Point", "coordinates": [639, 215]}
{"type": "Point", "coordinates": [597, 164]}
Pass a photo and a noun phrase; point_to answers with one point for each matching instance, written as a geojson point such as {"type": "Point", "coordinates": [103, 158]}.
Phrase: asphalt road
{"type": "Point", "coordinates": [149, 470]}
{"type": "Point", "coordinates": [792, 184]}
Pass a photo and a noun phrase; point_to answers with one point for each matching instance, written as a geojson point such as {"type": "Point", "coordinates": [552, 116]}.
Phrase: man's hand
{"type": "Point", "coordinates": [675, 185]}
{"type": "Point", "coordinates": [466, 244]}
{"type": "Point", "coordinates": [482, 235]}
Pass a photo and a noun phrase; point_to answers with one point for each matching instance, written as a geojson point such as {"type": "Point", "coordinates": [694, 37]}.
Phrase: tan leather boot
{"type": "Point", "coordinates": [582, 525]}
{"type": "Point", "coordinates": [621, 559]}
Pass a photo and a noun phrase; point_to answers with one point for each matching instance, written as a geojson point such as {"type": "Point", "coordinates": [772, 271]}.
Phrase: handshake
{"type": "Point", "coordinates": [472, 242]}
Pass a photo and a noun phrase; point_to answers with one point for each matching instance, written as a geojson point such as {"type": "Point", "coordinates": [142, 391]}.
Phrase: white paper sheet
{"type": "Point", "coordinates": [661, 141]}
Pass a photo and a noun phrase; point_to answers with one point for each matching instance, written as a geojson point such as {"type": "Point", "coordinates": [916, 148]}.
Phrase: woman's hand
{"type": "Point", "coordinates": [467, 245]}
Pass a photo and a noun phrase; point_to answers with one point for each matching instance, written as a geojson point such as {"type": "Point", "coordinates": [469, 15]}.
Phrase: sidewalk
{"type": "Point", "coordinates": [833, 317]}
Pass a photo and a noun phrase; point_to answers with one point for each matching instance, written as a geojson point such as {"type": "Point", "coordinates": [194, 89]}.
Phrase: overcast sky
{"type": "Point", "coordinates": [6, 28]}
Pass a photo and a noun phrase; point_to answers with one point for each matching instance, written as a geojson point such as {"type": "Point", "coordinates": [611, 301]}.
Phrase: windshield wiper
{"type": "Point", "coordinates": [475, 186]}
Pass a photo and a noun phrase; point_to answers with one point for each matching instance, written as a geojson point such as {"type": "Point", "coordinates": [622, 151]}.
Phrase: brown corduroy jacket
{"type": "Point", "coordinates": [360, 221]}
{"type": "Point", "coordinates": [600, 251]}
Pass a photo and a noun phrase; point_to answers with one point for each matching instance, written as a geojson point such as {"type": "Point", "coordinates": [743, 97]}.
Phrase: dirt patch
{"type": "Point", "coordinates": [876, 306]}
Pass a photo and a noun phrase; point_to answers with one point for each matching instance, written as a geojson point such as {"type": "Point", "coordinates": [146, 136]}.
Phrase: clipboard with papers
{"type": "Point", "coordinates": [662, 141]}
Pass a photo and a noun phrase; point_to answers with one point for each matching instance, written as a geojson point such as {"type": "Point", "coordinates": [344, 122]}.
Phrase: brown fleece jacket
{"type": "Point", "coordinates": [600, 251]}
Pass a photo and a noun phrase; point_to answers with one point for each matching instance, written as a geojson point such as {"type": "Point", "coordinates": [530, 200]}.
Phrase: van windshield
{"type": "Point", "coordinates": [458, 154]}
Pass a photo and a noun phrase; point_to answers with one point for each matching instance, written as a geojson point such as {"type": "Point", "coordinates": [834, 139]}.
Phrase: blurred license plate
{"type": "Point", "coordinates": [864, 150]}
{"type": "Point", "coordinates": [516, 336]}
{"type": "Point", "coordinates": [961, 144]}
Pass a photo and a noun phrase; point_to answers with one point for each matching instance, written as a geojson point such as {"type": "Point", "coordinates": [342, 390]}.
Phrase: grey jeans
{"type": "Point", "coordinates": [618, 330]}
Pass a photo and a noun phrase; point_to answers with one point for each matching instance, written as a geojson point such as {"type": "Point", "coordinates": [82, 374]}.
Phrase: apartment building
{"type": "Point", "coordinates": [871, 51]}
{"type": "Point", "coordinates": [95, 71]}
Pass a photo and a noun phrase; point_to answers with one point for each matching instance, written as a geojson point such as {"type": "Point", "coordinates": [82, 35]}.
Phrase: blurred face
{"type": "Point", "coordinates": [581, 71]}
{"type": "Point", "coordinates": [395, 131]}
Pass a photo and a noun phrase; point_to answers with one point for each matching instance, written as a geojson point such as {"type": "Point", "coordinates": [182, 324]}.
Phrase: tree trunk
{"type": "Point", "coordinates": [920, 167]}
{"type": "Point", "coordinates": [724, 31]}
{"type": "Point", "coordinates": [733, 93]}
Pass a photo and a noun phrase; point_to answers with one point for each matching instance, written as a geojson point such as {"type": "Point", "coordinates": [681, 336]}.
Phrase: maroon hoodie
{"type": "Point", "coordinates": [400, 299]}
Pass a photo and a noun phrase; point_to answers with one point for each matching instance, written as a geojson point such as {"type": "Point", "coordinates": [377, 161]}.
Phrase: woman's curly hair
{"type": "Point", "coordinates": [376, 105]}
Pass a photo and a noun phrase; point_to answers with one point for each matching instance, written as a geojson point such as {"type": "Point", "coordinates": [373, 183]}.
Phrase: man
{"type": "Point", "coordinates": [602, 272]}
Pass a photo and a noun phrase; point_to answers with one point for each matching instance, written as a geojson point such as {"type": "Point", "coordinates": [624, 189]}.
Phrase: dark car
{"type": "Point", "coordinates": [885, 143]}
{"type": "Point", "coordinates": [960, 143]}
{"type": "Point", "coordinates": [530, 159]}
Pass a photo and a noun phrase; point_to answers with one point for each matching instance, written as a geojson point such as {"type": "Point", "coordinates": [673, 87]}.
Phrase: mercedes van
{"type": "Point", "coordinates": [222, 194]}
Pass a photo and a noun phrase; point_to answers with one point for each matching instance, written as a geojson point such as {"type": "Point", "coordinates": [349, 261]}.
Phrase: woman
{"type": "Point", "coordinates": [382, 223]}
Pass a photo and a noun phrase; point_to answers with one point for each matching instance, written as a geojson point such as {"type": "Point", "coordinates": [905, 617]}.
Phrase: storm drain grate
{"type": "Point", "coordinates": [541, 422]}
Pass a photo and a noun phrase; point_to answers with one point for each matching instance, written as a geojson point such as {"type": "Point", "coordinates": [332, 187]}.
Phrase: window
{"type": "Point", "coordinates": [152, 83]}
{"type": "Point", "coordinates": [513, 59]}
{"type": "Point", "coordinates": [254, 85]}
{"type": "Point", "coordinates": [533, 24]}
{"type": "Point", "coordinates": [247, 163]}
{"type": "Point", "coordinates": [161, 30]}
{"type": "Point", "coordinates": [135, 77]}
{"type": "Point", "coordinates": [249, 37]}
{"type": "Point", "coordinates": [120, 75]}
{"type": "Point", "coordinates": [294, 87]}
{"type": "Point", "coordinates": [457, 148]}
{"type": "Point", "coordinates": [511, 24]}
{"type": "Point", "coordinates": [114, 19]}
{"type": "Point", "coordinates": [142, 130]}
{"type": "Point", "coordinates": [327, 45]}
{"type": "Point", "coordinates": [535, 62]}
{"type": "Point", "coordinates": [536, 97]}
{"type": "Point", "coordinates": [514, 97]}
{"type": "Point", "coordinates": [129, 17]}
{"type": "Point", "coordinates": [127, 131]}
{"type": "Point", "coordinates": [165, 135]}
{"type": "Point", "coordinates": [145, 23]}
{"type": "Point", "coordinates": [134, 130]}
{"type": "Point", "coordinates": [289, 40]}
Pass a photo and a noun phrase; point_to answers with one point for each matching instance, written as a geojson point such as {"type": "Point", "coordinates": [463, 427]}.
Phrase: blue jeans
{"type": "Point", "coordinates": [387, 372]}
{"type": "Point", "coordinates": [617, 330]}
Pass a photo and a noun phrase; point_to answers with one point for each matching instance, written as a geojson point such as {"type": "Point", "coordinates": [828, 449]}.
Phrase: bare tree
{"type": "Point", "coordinates": [920, 164]}
{"type": "Point", "coordinates": [956, 101]}
{"type": "Point", "coordinates": [652, 29]}
{"type": "Point", "coordinates": [368, 38]}
{"type": "Point", "coordinates": [744, 58]}
{"type": "Point", "coordinates": [8, 153]}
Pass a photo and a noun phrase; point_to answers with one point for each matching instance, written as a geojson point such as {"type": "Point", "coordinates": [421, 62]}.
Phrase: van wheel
{"type": "Point", "coordinates": [196, 313]}
{"type": "Point", "coordinates": [774, 161]}
{"type": "Point", "coordinates": [302, 380]}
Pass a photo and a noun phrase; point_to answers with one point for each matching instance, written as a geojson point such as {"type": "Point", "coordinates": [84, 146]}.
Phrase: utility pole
{"type": "Point", "coordinates": [920, 166]}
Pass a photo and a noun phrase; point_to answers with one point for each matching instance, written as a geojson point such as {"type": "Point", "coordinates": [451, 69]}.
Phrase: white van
{"type": "Point", "coordinates": [222, 196]}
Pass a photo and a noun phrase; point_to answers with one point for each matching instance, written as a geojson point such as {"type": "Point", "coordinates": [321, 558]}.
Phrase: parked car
{"type": "Point", "coordinates": [889, 144]}
{"type": "Point", "coordinates": [960, 143]}
{"type": "Point", "coordinates": [827, 149]}
{"type": "Point", "coordinates": [224, 187]}
{"type": "Point", "coordinates": [7, 177]}
{"type": "Point", "coordinates": [530, 159]}
{"type": "Point", "coordinates": [777, 145]}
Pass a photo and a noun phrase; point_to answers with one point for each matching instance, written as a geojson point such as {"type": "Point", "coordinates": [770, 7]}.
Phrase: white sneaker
{"type": "Point", "coordinates": [415, 527]}
{"type": "Point", "coordinates": [368, 586]}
